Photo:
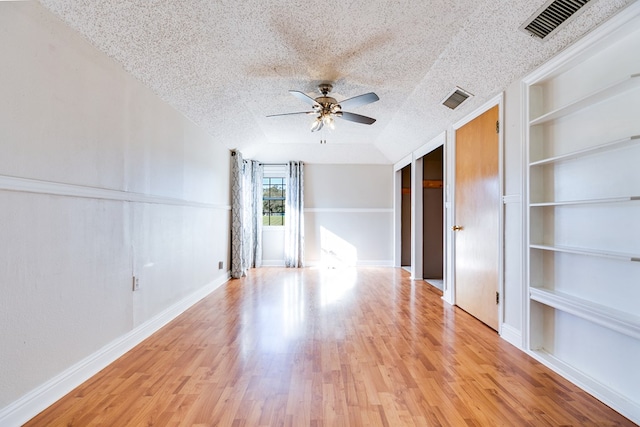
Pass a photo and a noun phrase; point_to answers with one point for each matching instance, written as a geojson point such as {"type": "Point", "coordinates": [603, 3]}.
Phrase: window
{"type": "Point", "coordinates": [273, 197]}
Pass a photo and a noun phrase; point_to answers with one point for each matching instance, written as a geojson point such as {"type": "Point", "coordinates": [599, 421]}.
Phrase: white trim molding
{"type": "Point", "coordinates": [402, 162]}
{"type": "Point", "coordinates": [27, 185]}
{"type": "Point", "coordinates": [436, 142]}
{"type": "Point", "coordinates": [38, 399]}
{"type": "Point", "coordinates": [348, 210]}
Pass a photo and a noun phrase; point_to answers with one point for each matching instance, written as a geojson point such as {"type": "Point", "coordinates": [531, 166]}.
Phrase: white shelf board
{"type": "Point", "coordinates": [620, 143]}
{"type": "Point", "coordinates": [587, 201]}
{"type": "Point", "coordinates": [617, 88]}
{"type": "Point", "coordinates": [608, 317]}
{"type": "Point", "coordinates": [589, 252]}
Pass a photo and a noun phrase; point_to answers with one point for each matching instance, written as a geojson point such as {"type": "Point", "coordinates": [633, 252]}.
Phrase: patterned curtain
{"type": "Point", "coordinates": [294, 216]}
{"type": "Point", "coordinates": [246, 215]}
{"type": "Point", "coordinates": [256, 174]}
{"type": "Point", "coordinates": [238, 259]}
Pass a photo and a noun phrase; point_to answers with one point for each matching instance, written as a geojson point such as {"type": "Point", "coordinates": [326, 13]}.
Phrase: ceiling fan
{"type": "Point", "coordinates": [326, 108]}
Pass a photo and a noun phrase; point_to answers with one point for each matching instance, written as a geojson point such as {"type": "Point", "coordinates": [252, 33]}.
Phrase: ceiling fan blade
{"type": "Point", "coordinates": [303, 97]}
{"type": "Point", "coordinates": [359, 100]}
{"type": "Point", "coordinates": [290, 114]}
{"type": "Point", "coordinates": [356, 118]}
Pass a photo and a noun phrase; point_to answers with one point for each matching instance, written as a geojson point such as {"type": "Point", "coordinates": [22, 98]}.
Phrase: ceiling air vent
{"type": "Point", "coordinates": [455, 98]}
{"type": "Point", "coordinates": [552, 16]}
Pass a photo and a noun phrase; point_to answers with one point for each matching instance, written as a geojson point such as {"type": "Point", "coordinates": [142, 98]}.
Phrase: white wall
{"type": "Point", "coordinates": [99, 181]}
{"type": "Point", "coordinates": [273, 246]}
{"type": "Point", "coordinates": [348, 214]}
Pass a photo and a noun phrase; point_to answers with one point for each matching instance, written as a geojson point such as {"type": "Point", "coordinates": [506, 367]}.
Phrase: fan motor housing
{"type": "Point", "coordinates": [326, 101]}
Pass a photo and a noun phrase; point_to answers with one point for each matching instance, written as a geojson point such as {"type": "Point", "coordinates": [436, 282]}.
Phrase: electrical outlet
{"type": "Point", "coordinates": [220, 265]}
{"type": "Point", "coordinates": [136, 283]}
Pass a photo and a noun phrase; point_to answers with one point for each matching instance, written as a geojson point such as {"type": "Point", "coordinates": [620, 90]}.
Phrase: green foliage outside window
{"type": "Point", "coordinates": [273, 197]}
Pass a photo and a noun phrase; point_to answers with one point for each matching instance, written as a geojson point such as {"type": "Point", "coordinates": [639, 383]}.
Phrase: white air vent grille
{"type": "Point", "coordinates": [455, 98]}
{"type": "Point", "coordinates": [552, 16]}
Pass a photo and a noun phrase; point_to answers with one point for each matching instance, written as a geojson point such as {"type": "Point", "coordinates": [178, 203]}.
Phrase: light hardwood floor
{"type": "Point", "coordinates": [308, 347]}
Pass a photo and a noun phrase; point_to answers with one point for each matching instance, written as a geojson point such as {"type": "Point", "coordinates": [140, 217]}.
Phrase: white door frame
{"type": "Point", "coordinates": [397, 209]}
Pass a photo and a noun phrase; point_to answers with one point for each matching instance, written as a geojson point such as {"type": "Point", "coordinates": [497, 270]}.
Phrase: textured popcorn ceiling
{"type": "Point", "coordinates": [227, 64]}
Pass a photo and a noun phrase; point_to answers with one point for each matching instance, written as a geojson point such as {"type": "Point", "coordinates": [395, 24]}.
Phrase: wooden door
{"type": "Point", "coordinates": [477, 210]}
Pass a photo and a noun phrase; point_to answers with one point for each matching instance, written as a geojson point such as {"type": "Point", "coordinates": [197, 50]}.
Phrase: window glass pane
{"type": "Point", "coordinates": [273, 196]}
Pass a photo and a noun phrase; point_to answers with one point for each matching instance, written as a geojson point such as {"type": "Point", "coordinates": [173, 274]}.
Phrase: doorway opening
{"type": "Point", "coordinates": [433, 217]}
{"type": "Point", "coordinates": [405, 219]}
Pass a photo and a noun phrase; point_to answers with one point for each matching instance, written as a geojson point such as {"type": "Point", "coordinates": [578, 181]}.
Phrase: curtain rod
{"type": "Point", "coordinates": [233, 153]}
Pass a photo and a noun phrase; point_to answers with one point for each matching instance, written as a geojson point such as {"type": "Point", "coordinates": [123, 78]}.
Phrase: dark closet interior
{"type": "Point", "coordinates": [433, 221]}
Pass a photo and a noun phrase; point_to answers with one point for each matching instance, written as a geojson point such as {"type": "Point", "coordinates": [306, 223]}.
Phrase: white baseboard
{"type": "Point", "coordinates": [601, 391]}
{"type": "Point", "coordinates": [40, 398]}
{"type": "Point", "coordinates": [363, 263]}
{"type": "Point", "coordinates": [436, 283]}
{"type": "Point", "coordinates": [375, 263]}
{"type": "Point", "coordinates": [272, 263]}
{"type": "Point", "coordinates": [511, 335]}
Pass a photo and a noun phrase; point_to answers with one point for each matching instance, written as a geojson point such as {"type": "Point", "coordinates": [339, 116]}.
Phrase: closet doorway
{"type": "Point", "coordinates": [433, 217]}
{"type": "Point", "coordinates": [405, 222]}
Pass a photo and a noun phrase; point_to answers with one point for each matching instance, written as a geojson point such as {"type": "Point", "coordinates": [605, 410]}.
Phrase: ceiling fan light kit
{"type": "Point", "coordinates": [327, 108]}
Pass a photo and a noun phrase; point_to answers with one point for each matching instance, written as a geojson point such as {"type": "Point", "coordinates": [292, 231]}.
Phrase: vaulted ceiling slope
{"type": "Point", "coordinates": [227, 64]}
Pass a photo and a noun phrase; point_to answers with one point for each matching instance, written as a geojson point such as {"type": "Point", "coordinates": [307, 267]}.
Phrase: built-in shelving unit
{"type": "Point", "coordinates": [583, 220]}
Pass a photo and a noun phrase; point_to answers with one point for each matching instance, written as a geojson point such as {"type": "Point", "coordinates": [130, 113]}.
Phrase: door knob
{"type": "Point", "coordinates": [456, 228]}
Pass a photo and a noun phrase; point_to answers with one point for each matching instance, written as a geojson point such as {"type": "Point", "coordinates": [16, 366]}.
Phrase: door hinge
{"type": "Point", "coordinates": [497, 297]}
{"type": "Point", "coordinates": [497, 126]}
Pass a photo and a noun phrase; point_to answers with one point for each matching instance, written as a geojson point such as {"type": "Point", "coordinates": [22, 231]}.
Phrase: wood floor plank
{"type": "Point", "coordinates": [312, 347]}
